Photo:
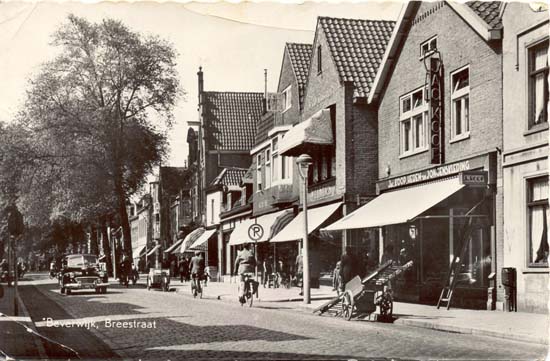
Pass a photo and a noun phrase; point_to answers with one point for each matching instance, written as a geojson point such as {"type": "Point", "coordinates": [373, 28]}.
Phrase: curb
{"type": "Point", "coordinates": [37, 340]}
{"type": "Point", "coordinates": [471, 331]}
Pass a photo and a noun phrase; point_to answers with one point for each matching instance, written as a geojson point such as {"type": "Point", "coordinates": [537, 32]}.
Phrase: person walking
{"type": "Point", "coordinates": [300, 272]}
{"type": "Point", "coordinates": [348, 267]}
{"type": "Point", "coordinates": [267, 270]}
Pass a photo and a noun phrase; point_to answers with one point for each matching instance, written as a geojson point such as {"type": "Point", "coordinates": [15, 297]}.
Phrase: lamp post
{"type": "Point", "coordinates": [303, 162]}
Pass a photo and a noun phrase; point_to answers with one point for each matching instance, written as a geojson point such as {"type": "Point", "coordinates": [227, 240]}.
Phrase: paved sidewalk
{"type": "Point", "coordinates": [529, 327]}
{"type": "Point", "coordinates": [522, 326]}
{"type": "Point", "coordinates": [15, 340]}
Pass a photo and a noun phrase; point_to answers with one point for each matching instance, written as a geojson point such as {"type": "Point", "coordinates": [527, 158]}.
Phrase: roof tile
{"type": "Point", "coordinates": [489, 11]}
{"type": "Point", "coordinates": [300, 55]}
{"type": "Point", "coordinates": [357, 47]}
{"type": "Point", "coordinates": [231, 118]}
{"type": "Point", "coordinates": [230, 176]}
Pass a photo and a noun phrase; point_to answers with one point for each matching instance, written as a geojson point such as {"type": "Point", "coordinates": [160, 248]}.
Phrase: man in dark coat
{"type": "Point", "coordinates": [348, 267]}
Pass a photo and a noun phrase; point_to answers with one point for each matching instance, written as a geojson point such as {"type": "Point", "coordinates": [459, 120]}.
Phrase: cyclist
{"type": "Point", "coordinates": [196, 268]}
{"type": "Point", "coordinates": [245, 264]}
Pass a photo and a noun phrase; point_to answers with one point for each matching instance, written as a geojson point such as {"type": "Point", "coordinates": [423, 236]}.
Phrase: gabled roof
{"type": "Point", "coordinates": [230, 118]}
{"type": "Point", "coordinates": [483, 17]}
{"type": "Point", "coordinates": [300, 55]}
{"type": "Point", "coordinates": [357, 48]}
{"type": "Point", "coordinates": [230, 177]}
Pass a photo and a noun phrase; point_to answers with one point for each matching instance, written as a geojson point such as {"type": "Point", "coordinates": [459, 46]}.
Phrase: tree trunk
{"type": "Point", "coordinates": [125, 224]}
{"type": "Point", "coordinates": [106, 246]}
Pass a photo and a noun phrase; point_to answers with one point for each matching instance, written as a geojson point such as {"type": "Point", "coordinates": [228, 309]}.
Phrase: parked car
{"type": "Point", "coordinates": [83, 272]}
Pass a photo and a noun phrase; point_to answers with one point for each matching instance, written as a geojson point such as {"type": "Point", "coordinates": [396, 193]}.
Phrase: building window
{"type": "Point", "coordinates": [268, 168]}
{"type": "Point", "coordinates": [275, 159]}
{"type": "Point", "coordinates": [413, 122]}
{"type": "Point", "coordinates": [538, 84]}
{"type": "Point", "coordinates": [428, 47]}
{"type": "Point", "coordinates": [319, 60]}
{"type": "Point", "coordinates": [212, 211]}
{"type": "Point", "coordinates": [460, 100]}
{"type": "Point", "coordinates": [259, 183]}
{"type": "Point", "coordinates": [537, 209]}
{"type": "Point", "coordinates": [287, 98]}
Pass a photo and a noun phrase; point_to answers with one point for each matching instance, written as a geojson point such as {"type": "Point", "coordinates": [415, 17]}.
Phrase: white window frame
{"type": "Point", "coordinates": [528, 203]}
{"type": "Point", "coordinates": [459, 96]}
{"type": "Point", "coordinates": [285, 163]}
{"type": "Point", "coordinates": [275, 161]}
{"type": "Point", "coordinates": [431, 49]}
{"type": "Point", "coordinates": [259, 183]}
{"type": "Point", "coordinates": [411, 116]}
{"type": "Point", "coordinates": [531, 73]}
{"type": "Point", "coordinates": [287, 98]}
{"type": "Point", "coordinates": [267, 158]}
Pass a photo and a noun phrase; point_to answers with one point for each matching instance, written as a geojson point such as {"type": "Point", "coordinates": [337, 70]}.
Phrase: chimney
{"type": "Point", "coordinates": [201, 83]}
{"type": "Point", "coordinates": [265, 91]}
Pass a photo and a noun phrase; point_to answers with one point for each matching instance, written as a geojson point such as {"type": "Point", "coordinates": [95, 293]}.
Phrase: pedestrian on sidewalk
{"type": "Point", "coordinates": [184, 269]}
{"type": "Point", "coordinates": [267, 270]}
{"type": "Point", "coordinates": [336, 279]}
{"type": "Point", "coordinates": [300, 272]}
{"type": "Point", "coordinates": [348, 267]}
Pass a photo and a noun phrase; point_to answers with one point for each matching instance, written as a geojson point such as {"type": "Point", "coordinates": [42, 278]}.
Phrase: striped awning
{"type": "Point", "coordinates": [240, 232]}
{"type": "Point", "coordinates": [174, 246]}
{"type": "Point", "coordinates": [201, 243]}
{"type": "Point", "coordinates": [138, 251]}
{"type": "Point", "coordinates": [153, 250]}
{"type": "Point", "coordinates": [190, 239]}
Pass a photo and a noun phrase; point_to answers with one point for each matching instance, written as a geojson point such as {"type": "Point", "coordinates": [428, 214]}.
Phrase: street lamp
{"type": "Point", "coordinates": [303, 162]}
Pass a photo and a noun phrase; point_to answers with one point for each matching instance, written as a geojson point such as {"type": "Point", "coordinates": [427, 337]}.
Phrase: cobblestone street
{"type": "Point", "coordinates": [187, 328]}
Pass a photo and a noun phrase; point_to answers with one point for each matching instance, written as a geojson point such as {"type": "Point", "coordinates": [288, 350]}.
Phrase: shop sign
{"type": "Point", "coordinates": [436, 111]}
{"type": "Point", "coordinates": [323, 192]}
{"type": "Point", "coordinates": [474, 179]}
{"type": "Point", "coordinates": [434, 173]}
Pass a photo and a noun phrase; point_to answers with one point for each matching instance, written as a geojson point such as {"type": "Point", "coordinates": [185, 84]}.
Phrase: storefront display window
{"type": "Point", "coordinates": [537, 209]}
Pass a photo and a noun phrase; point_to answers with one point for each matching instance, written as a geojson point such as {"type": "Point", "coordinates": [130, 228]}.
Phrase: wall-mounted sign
{"type": "Point", "coordinates": [474, 178]}
{"type": "Point", "coordinates": [435, 94]}
{"type": "Point", "coordinates": [322, 192]}
{"type": "Point", "coordinates": [434, 173]}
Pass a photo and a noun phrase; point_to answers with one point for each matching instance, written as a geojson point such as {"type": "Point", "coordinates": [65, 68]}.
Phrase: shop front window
{"type": "Point", "coordinates": [537, 209]}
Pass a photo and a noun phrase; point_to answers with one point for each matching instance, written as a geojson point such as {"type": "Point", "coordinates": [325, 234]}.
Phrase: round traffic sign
{"type": "Point", "coordinates": [255, 232]}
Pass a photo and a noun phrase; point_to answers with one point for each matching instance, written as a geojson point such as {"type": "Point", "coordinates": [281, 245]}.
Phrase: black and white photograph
{"type": "Point", "coordinates": [274, 180]}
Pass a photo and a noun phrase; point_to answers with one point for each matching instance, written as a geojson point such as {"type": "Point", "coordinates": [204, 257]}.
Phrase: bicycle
{"type": "Point", "coordinates": [196, 288]}
{"type": "Point", "coordinates": [250, 289]}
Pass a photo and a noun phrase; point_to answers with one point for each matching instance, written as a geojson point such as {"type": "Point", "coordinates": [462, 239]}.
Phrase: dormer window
{"type": "Point", "coordinates": [287, 98]}
{"type": "Point", "coordinates": [428, 47]}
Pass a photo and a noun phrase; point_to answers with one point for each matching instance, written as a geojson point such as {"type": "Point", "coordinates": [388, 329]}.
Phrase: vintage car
{"type": "Point", "coordinates": [83, 272]}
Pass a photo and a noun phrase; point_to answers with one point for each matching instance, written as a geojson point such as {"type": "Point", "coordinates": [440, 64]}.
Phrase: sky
{"type": "Point", "coordinates": [233, 42]}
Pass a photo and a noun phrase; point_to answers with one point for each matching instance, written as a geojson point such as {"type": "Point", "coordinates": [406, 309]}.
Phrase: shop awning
{"type": "Point", "coordinates": [153, 250]}
{"type": "Point", "coordinates": [315, 217]}
{"type": "Point", "coordinates": [190, 239]}
{"type": "Point", "coordinates": [398, 206]}
{"type": "Point", "coordinates": [315, 131]}
{"type": "Point", "coordinates": [174, 246]}
{"type": "Point", "coordinates": [240, 233]}
{"type": "Point", "coordinates": [199, 244]}
{"type": "Point", "coordinates": [138, 251]}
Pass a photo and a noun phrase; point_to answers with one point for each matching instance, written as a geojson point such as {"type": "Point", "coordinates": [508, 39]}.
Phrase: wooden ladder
{"type": "Point", "coordinates": [447, 291]}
